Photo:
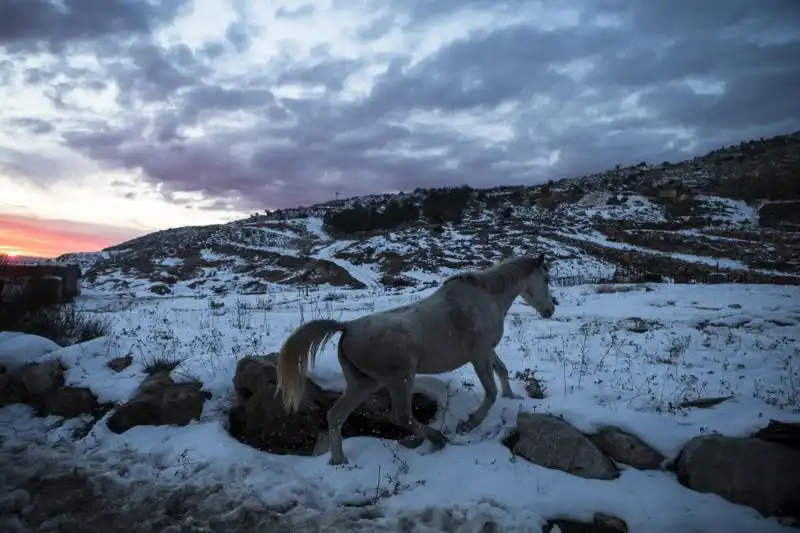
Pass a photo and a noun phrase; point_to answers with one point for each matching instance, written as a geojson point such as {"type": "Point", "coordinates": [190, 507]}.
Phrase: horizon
{"type": "Point", "coordinates": [18, 253]}
{"type": "Point", "coordinates": [134, 118]}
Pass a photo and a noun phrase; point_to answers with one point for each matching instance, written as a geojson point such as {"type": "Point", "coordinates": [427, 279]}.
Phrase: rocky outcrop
{"type": "Point", "coordinates": [749, 471]}
{"type": "Point", "coordinates": [626, 448]}
{"type": "Point", "coordinates": [550, 442]}
{"type": "Point", "coordinates": [258, 419]}
{"type": "Point", "coordinates": [160, 402]}
{"type": "Point", "coordinates": [41, 385]}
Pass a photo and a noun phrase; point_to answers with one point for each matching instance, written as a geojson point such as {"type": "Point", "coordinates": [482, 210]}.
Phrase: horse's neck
{"type": "Point", "coordinates": [507, 297]}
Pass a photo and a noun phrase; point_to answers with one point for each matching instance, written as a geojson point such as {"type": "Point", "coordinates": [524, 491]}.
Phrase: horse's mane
{"type": "Point", "coordinates": [499, 277]}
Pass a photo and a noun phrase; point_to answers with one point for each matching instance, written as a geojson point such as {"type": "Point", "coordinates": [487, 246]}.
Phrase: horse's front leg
{"type": "Point", "coordinates": [484, 368]}
{"type": "Point", "coordinates": [502, 372]}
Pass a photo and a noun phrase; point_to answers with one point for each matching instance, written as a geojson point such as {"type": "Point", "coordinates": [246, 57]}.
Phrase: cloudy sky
{"type": "Point", "coordinates": [120, 117]}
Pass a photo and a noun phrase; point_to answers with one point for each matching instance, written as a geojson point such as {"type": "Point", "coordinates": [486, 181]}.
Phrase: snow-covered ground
{"type": "Point", "coordinates": [620, 358]}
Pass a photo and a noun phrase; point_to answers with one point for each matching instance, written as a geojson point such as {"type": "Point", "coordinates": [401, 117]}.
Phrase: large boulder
{"type": "Point", "coordinates": [41, 380]}
{"type": "Point", "coordinates": [626, 448]}
{"type": "Point", "coordinates": [259, 420]}
{"type": "Point", "coordinates": [41, 385]}
{"type": "Point", "coordinates": [160, 402]}
{"type": "Point", "coordinates": [747, 471]}
{"type": "Point", "coordinates": [550, 442]}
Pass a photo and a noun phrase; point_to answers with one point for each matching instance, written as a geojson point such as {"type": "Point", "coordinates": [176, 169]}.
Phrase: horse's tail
{"type": "Point", "coordinates": [297, 352]}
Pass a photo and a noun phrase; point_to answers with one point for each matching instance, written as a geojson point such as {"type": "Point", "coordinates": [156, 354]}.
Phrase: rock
{"type": "Point", "coordinates": [12, 524]}
{"type": "Point", "coordinates": [258, 419]}
{"type": "Point", "coordinates": [156, 382]}
{"type": "Point", "coordinates": [787, 433]}
{"type": "Point", "coordinates": [396, 281]}
{"type": "Point", "coordinates": [602, 523]}
{"type": "Point", "coordinates": [747, 471]}
{"type": "Point", "coordinates": [70, 402]}
{"type": "Point", "coordinates": [14, 502]}
{"type": "Point", "coordinates": [118, 364]}
{"type": "Point", "coordinates": [42, 379]}
{"type": "Point", "coordinates": [626, 448]}
{"type": "Point", "coordinates": [605, 524]}
{"type": "Point", "coordinates": [159, 402]}
{"type": "Point", "coordinates": [11, 390]}
{"type": "Point", "coordinates": [553, 443]}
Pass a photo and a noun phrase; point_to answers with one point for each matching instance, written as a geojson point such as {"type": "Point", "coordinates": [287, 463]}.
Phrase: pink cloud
{"type": "Point", "coordinates": [39, 237]}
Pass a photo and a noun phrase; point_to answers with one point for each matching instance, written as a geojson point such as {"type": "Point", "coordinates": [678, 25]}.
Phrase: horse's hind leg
{"type": "Point", "coordinates": [359, 387]}
{"type": "Point", "coordinates": [400, 391]}
{"type": "Point", "coordinates": [502, 373]}
{"type": "Point", "coordinates": [484, 368]}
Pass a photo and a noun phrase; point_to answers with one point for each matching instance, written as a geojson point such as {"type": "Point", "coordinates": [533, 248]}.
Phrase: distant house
{"type": "Point", "coordinates": [65, 281]}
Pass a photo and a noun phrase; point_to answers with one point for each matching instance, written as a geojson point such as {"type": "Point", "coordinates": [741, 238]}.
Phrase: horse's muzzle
{"type": "Point", "coordinates": [547, 313]}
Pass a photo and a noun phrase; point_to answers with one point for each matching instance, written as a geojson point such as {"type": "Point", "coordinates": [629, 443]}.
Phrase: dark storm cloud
{"type": "Point", "coordinates": [33, 125]}
{"type": "Point", "coordinates": [623, 99]}
{"type": "Point", "coordinates": [486, 70]}
{"type": "Point", "coordinates": [305, 10]}
{"type": "Point", "coordinates": [26, 25]}
{"type": "Point", "coordinates": [153, 73]}
{"type": "Point", "coordinates": [331, 73]}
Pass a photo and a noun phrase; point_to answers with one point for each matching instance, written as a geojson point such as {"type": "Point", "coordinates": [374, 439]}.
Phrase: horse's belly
{"type": "Point", "coordinates": [440, 363]}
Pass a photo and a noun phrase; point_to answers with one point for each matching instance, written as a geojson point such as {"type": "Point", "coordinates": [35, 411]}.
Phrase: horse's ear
{"type": "Point", "coordinates": [540, 259]}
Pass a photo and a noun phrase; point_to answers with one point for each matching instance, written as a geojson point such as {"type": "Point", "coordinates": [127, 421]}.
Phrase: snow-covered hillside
{"type": "Point", "coordinates": [643, 405]}
{"type": "Point", "coordinates": [581, 240]}
{"type": "Point", "coordinates": [633, 357]}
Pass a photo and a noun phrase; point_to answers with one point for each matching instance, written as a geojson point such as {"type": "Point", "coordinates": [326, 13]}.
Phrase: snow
{"type": "Point", "coordinates": [735, 211]}
{"type": "Point", "coordinates": [363, 273]}
{"type": "Point", "coordinates": [315, 226]}
{"type": "Point", "coordinates": [699, 341]}
{"type": "Point", "coordinates": [16, 349]}
{"type": "Point", "coordinates": [635, 207]}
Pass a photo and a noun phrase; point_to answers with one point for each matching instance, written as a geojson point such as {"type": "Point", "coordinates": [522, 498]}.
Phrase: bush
{"type": "Point", "coordinates": [368, 218]}
{"type": "Point", "coordinates": [446, 204]}
{"type": "Point", "coordinates": [33, 309]}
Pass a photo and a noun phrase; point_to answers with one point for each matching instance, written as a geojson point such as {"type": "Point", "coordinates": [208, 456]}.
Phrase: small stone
{"type": "Point", "coordinates": [118, 364]}
{"type": "Point", "coordinates": [626, 448]}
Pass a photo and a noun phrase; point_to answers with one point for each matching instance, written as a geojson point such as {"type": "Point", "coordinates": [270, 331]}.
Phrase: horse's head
{"type": "Point", "coordinates": [537, 288]}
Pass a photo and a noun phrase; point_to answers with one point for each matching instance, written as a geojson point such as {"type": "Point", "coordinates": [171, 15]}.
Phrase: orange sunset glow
{"type": "Point", "coordinates": [37, 237]}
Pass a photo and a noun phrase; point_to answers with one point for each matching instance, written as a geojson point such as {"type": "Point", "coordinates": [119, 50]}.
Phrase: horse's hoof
{"type": "Point", "coordinates": [338, 461]}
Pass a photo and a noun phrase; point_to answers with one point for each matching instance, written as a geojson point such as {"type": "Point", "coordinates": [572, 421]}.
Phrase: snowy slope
{"type": "Point", "coordinates": [699, 341]}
